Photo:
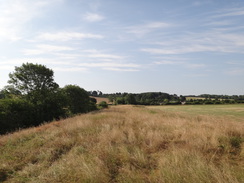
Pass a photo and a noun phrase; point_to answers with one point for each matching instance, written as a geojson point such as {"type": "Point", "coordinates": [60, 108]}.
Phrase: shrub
{"type": "Point", "coordinates": [14, 114]}
{"type": "Point", "coordinates": [103, 105]}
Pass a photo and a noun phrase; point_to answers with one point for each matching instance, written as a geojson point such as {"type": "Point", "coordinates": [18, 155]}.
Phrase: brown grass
{"type": "Point", "coordinates": [126, 144]}
{"type": "Point", "coordinates": [100, 99]}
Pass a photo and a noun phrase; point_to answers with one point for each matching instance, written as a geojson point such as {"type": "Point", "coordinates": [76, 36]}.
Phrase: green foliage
{"type": "Point", "coordinates": [93, 100]}
{"type": "Point", "coordinates": [120, 100]}
{"type": "Point", "coordinates": [130, 99]}
{"type": "Point", "coordinates": [10, 92]}
{"type": "Point", "coordinates": [103, 105]}
{"type": "Point", "coordinates": [51, 107]}
{"type": "Point", "coordinates": [15, 113]}
{"type": "Point", "coordinates": [33, 98]}
{"type": "Point", "coordinates": [93, 104]}
{"type": "Point", "coordinates": [32, 77]}
{"type": "Point", "coordinates": [78, 100]}
{"type": "Point", "coordinates": [150, 98]}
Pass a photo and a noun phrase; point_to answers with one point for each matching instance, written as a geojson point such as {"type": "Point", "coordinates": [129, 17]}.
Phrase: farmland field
{"type": "Point", "coordinates": [232, 111]}
{"type": "Point", "coordinates": [162, 144]}
{"type": "Point", "coordinates": [100, 99]}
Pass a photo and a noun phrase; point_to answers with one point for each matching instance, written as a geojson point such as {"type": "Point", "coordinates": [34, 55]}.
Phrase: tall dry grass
{"type": "Point", "coordinates": [126, 144]}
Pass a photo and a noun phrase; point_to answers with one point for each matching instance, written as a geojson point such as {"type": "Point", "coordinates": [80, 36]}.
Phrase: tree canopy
{"type": "Point", "coordinates": [32, 77]}
{"type": "Point", "coordinates": [77, 99]}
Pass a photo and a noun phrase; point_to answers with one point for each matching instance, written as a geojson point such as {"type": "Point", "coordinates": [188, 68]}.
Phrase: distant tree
{"type": "Point", "coordinates": [120, 100]}
{"type": "Point", "coordinates": [166, 101]}
{"type": "Point", "coordinates": [100, 93]}
{"type": "Point", "coordinates": [111, 98]}
{"type": "Point", "coordinates": [182, 98]}
{"type": "Point", "coordinates": [94, 93]}
{"type": "Point", "coordinates": [130, 99]}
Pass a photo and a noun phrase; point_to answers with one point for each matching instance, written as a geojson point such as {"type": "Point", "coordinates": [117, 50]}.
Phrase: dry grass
{"type": "Point", "coordinates": [101, 99]}
{"type": "Point", "coordinates": [126, 144]}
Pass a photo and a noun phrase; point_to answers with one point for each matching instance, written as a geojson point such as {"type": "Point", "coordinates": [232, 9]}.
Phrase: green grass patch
{"type": "Point", "coordinates": [234, 111]}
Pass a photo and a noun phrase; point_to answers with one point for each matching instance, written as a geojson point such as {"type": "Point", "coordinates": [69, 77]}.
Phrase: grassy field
{"type": "Point", "coordinates": [100, 99]}
{"type": "Point", "coordinates": [163, 144]}
{"type": "Point", "coordinates": [195, 98]}
{"type": "Point", "coordinates": [232, 111]}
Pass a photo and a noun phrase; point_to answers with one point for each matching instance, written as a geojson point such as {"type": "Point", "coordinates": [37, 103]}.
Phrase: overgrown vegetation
{"type": "Point", "coordinates": [34, 97]}
{"type": "Point", "coordinates": [127, 144]}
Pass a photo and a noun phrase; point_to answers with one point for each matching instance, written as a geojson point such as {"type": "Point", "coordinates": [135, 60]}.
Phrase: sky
{"type": "Point", "coordinates": [179, 47]}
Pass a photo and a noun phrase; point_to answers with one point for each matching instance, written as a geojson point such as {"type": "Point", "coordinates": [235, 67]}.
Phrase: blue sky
{"type": "Point", "coordinates": [179, 46]}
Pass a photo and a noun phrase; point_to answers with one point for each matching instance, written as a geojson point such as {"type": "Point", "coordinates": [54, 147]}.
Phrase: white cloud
{"type": "Point", "coordinates": [230, 13]}
{"type": "Point", "coordinates": [236, 71]}
{"type": "Point", "coordinates": [195, 66]}
{"type": "Point", "coordinates": [101, 65]}
{"type": "Point", "coordinates": [236, 63]}
{"type": "Point", "coordinates": [214, 41]}
{"type": "Point", "coordinates": [39, 60]}
{"type": "Point", "coordinates": [70, 56]}
{"type": "Point", "coordinates": [15, 14]}
{"type": "Point", "coordinates": [70, 69]}
{"type": "Point", "coordinates": [51, 48]}
{"type": "Point", "coordinates": [141, 30]}
{"type": "Point", "coordinates": [168, 62]}
{"type": "Point", "coordinates": [196, 75]}
{"type": "Point", "coordinates": [105, 56]}
{"type": "Point", "coordinates": [66, 36]}
{"type": "Point", "coordinates": [121, 69]}
{"type": "Point", "coordinates": [102, 56]}
{"type": "Point", "coordinates": [45, 48]}
{"type": "Point", "coordinates": [93, 17]}
{"type": "Point", "coordinates": [185, 64]}
{"type": "Point", "coordinates": [109, 65]}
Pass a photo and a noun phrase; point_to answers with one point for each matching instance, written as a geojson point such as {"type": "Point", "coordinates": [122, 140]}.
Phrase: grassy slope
{"type": "Point", "coordinates": [127, 144]}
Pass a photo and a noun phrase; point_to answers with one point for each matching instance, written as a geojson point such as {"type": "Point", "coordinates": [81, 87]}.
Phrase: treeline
{"type": "Point", "coordinates": [33, 97]}
{"type": "Point", "coordinates": [224, 97]}
{"type": "Point", "coordinates": [159, 98]}
{"type": "Point", "coordinates": [215, 99]}
{"type": "Point", "coordinates": [148, 98]}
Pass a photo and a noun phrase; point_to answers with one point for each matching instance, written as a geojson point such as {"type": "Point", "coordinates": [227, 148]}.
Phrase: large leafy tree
{"type": "Point", "coordinates": [32, 77]}
{"type": "Point", "coordinates": [78, 99]}
{"type": "Point", "coordinates": [37, 86]}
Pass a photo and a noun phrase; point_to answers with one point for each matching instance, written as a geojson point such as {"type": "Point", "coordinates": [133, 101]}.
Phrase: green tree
{"type": "Point", "coordinates": [78, 100]}
{"type": "Point", "coordinates": [130, 99]}
{"type": "Point", "coordinates": [36, 84]}
{"type": "Point", "coordinates": [120, 100]}
{"type": "Point", "coordinates": [32, 77]}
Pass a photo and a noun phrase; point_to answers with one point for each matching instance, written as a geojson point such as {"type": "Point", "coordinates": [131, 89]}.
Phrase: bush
{"type": "Point", "coordinates": [14, 114]}
{"type": "Point", "coordinates": [78, 100]}
{"type": "Point", "coordinates": [103, 105]}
